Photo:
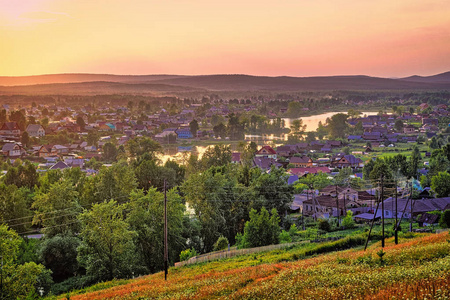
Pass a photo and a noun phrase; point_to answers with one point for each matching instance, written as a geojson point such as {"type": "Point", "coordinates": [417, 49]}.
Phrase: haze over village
{"type": "Point", "coordinates": [224, 150]}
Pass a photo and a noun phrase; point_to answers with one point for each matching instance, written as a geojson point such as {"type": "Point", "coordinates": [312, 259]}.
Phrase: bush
{"type": "Point", "coordinates": [445, 219]}
{"type": "Point", "coordinates": [71, 284]}
{"type": "Point", "coordinates": [285, 237]}
{"type": "Point", "coordinates": [348, 221]}
{"type": "Point", "coordinates": [221, 243]}
{"type": "Point", "coordinates": [324, 225]}
{"type": "Point", "coordinates": [188, 253]}
{"type": "Point", "coordinates": [342, 244]}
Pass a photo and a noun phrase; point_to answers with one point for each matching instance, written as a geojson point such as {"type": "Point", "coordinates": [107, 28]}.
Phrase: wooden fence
{"type": "Point", "coordinates": [231, 253]}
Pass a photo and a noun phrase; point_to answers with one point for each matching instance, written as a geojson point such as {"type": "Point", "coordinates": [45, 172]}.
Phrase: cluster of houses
{"type": "Point", "coordinates": [335, 201]}
{"type": "Point", "coordinates": [294, 158]}
{"type": "Point", "coordinates": [379, 130]}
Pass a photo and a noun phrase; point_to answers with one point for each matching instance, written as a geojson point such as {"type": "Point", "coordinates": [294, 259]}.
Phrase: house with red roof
{"type": "Point", "coordinates": [266, 151]}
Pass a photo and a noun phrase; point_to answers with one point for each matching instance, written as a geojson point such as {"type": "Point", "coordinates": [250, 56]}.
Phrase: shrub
{"type": "Point", "coordinates": [188, 253]}
{"type": "Point", "coordinates": [348, 221]}
{"type": "Point", "coordinates": [445, 219]}
{"type": "Point", "coordinates": [285, 237]}
{"type": "Point", "coordinates": [324, 225]}
{"type": "Point", "coordinates": [221, 243]}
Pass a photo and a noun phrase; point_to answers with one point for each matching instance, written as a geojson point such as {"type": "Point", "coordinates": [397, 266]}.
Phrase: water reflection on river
{"type": "Point", "coordinates": [181, 154]}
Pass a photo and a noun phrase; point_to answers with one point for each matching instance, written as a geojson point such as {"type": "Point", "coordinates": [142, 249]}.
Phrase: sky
{"type": "Point", "coordinates": [382, 38]}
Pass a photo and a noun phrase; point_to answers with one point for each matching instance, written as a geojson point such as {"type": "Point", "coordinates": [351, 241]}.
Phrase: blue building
{"type": "Point", "coordinates": [184, 133]}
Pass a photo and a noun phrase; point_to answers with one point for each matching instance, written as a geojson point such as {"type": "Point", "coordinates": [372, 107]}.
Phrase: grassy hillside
{"type": "Point", "coordinates": [417, 268]}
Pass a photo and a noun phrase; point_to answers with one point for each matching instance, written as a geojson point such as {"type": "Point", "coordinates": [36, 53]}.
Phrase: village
{"type": "Point", "coordinates": [74, 139]}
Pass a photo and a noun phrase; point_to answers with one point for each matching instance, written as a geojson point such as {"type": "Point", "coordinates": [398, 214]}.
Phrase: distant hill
{"type": "Point", "coordinates": [72, 78]}
{"type": "Point", "coordinates": [138, 84]}
{"type": "Point", "coordinates": [439, 78]}
{"type": "Point", "coordinates": [95, 88]}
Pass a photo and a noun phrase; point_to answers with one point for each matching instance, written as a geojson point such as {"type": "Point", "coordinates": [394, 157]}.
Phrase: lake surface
{"type": "Point", "coordinates": [181, 154]}
{"type": "Point", "coordinates": [312, 122]}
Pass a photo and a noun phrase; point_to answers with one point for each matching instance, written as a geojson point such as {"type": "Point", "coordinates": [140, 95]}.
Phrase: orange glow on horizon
{"type": "Point", "coordinates": [292, 37]}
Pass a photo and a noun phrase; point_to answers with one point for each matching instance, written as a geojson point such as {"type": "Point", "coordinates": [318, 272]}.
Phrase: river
{"type": "Point", "coordinates": [181, 153]}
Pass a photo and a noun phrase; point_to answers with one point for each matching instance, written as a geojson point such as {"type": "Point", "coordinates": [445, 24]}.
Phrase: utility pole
{"type": "Point", "coordinates": [314, 203]}
{"type": "Point", "coordinates": [1, 278]}
{"type": "Point", "coordinates": [396, 213]}
{"type": "Point", "coordinates": [337, 206]}
{"type": "Point", "coordinates": [411, 207]}
{"type": "Point", "coordinates": [166, 246]}
{"type": "Point", "coordinates": [382, 210]}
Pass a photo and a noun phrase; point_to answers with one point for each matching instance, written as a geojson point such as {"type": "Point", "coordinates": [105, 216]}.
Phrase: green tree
{"type": "Point", "coordinates": [109, 152]}
{"type": "Point", "coordinates": [235, 127]}
{"type": "Point", "coordinates": [81, 123]}
{"type": "Point", "coordinates": [337, 125]}
{"type": "Point", "coordinates": [398, 125]}
{"type": "Point", "coordinates": [57, 209]}
{"type": "Point", "coordinates": [221, 243]}
{"type": "Point", "coordinates": [220, 130]}
{"type": "Point", "coordinates": [414, 162]}
{"type": "Point", "coordinates": [262, 229]}
{"type": "Point", "coordinates": [19, 281]}
{"type": "Point", "coordinates": [143, 145]}
{"type": "Point", "coordinates": [440, 184]}
{"type": "Point", "coordinates": [59, 254]}
{"type": "Point", "coordinates": [92, 138]}
{"type": "Point", "coordinates": [273, 190]}
{"type": "Point", "coordinates": [193, 126]}
{"type": "Point", "coordinates": [294, 109]}
{"type": "Point", "coordinates": [14, 207]}
{"type": "Point", "coordinates": [107, 250]}
{"type": "Point", "coordinates": [25, 139]}
{"type": "Point", "coordinates": [146, 218]}
{"type": "Point", "coordinates": [219, 155]}
{"type": "Point", "coordinates": [348, 221]}
{"type": "Point", "coordinates": [321, 131]}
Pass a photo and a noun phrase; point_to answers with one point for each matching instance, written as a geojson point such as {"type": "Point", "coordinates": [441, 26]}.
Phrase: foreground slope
{"type": "Point", "coordinates": [417, 268]}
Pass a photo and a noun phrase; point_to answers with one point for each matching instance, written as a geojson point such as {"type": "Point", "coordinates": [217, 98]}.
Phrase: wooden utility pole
{"type": "Point", "coordinates": [1, 278]}
{"type": "Point", "coordinates": [382, 211]}
{"type": "Point", "coordinates": [396, 213]}
{"type": "Point", "coordinates": [337, 207]}
{"type": "Point", "coordinates": [411, 207]}
{"type": "Point", "coordinates": [166, 246]}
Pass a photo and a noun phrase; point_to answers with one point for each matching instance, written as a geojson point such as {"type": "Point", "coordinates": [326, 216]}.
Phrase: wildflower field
{"type": "Point", "coordinates": [417, 268]}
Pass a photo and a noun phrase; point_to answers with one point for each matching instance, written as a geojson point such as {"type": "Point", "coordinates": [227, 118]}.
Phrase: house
{"type": "Point", "coordinates": [60, 165]}
{"type": "Point", "coordinates": [328, 206]}
{"type": "Point", "coordinates": [304, 171]}
{"type": "Point", "coordinates": [35, 130]}
{"type": "Point", "coordinates": [301, 162]}
{"type": "Point", "coordinates": [10, 130]}
{"type": "Point", "coordinates": [266, 151]}
{"type": "Point", "coordinates": [265, 163]}
{"type": "Point", "coordinates": [12, 150]}
{"type": "Point", "coordinates": [428, 219]}
{"type": "Point", "coordinates": [372, 136]}
{"type": "Point", "coordinates": [184, 133]}
{"type": "Point", "coordinates": [286, 151]}
{"type": "Point", "coordinates": [409, 129]}
{"type": "Point", "coordinates": [429, 121]}
{"type": "Point", "coordinates": [348, 161]}
{"type": "Point", "coordinates": [46, 151]}
{"type": "Point", "coordinates": [59, 149]}
{"type": "Point", "coordinates": [236, 157]}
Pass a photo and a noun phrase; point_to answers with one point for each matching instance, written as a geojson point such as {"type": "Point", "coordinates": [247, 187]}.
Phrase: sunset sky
{"type": "Point", "coordinates": [287, 37]}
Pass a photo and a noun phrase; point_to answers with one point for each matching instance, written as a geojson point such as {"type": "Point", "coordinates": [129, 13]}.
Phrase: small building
{"type": "Point", "coordinates": [301, 162]}
{"type": "Point", "coordinates": [409, 129]}
{"type": "Point", "coordinates": [35, 130]}
{"type": "Point", "coordinates": [266, 151]}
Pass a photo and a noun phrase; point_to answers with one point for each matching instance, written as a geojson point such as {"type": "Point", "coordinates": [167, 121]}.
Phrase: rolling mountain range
{"type": "Point", "coordinates": [148, 84]}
